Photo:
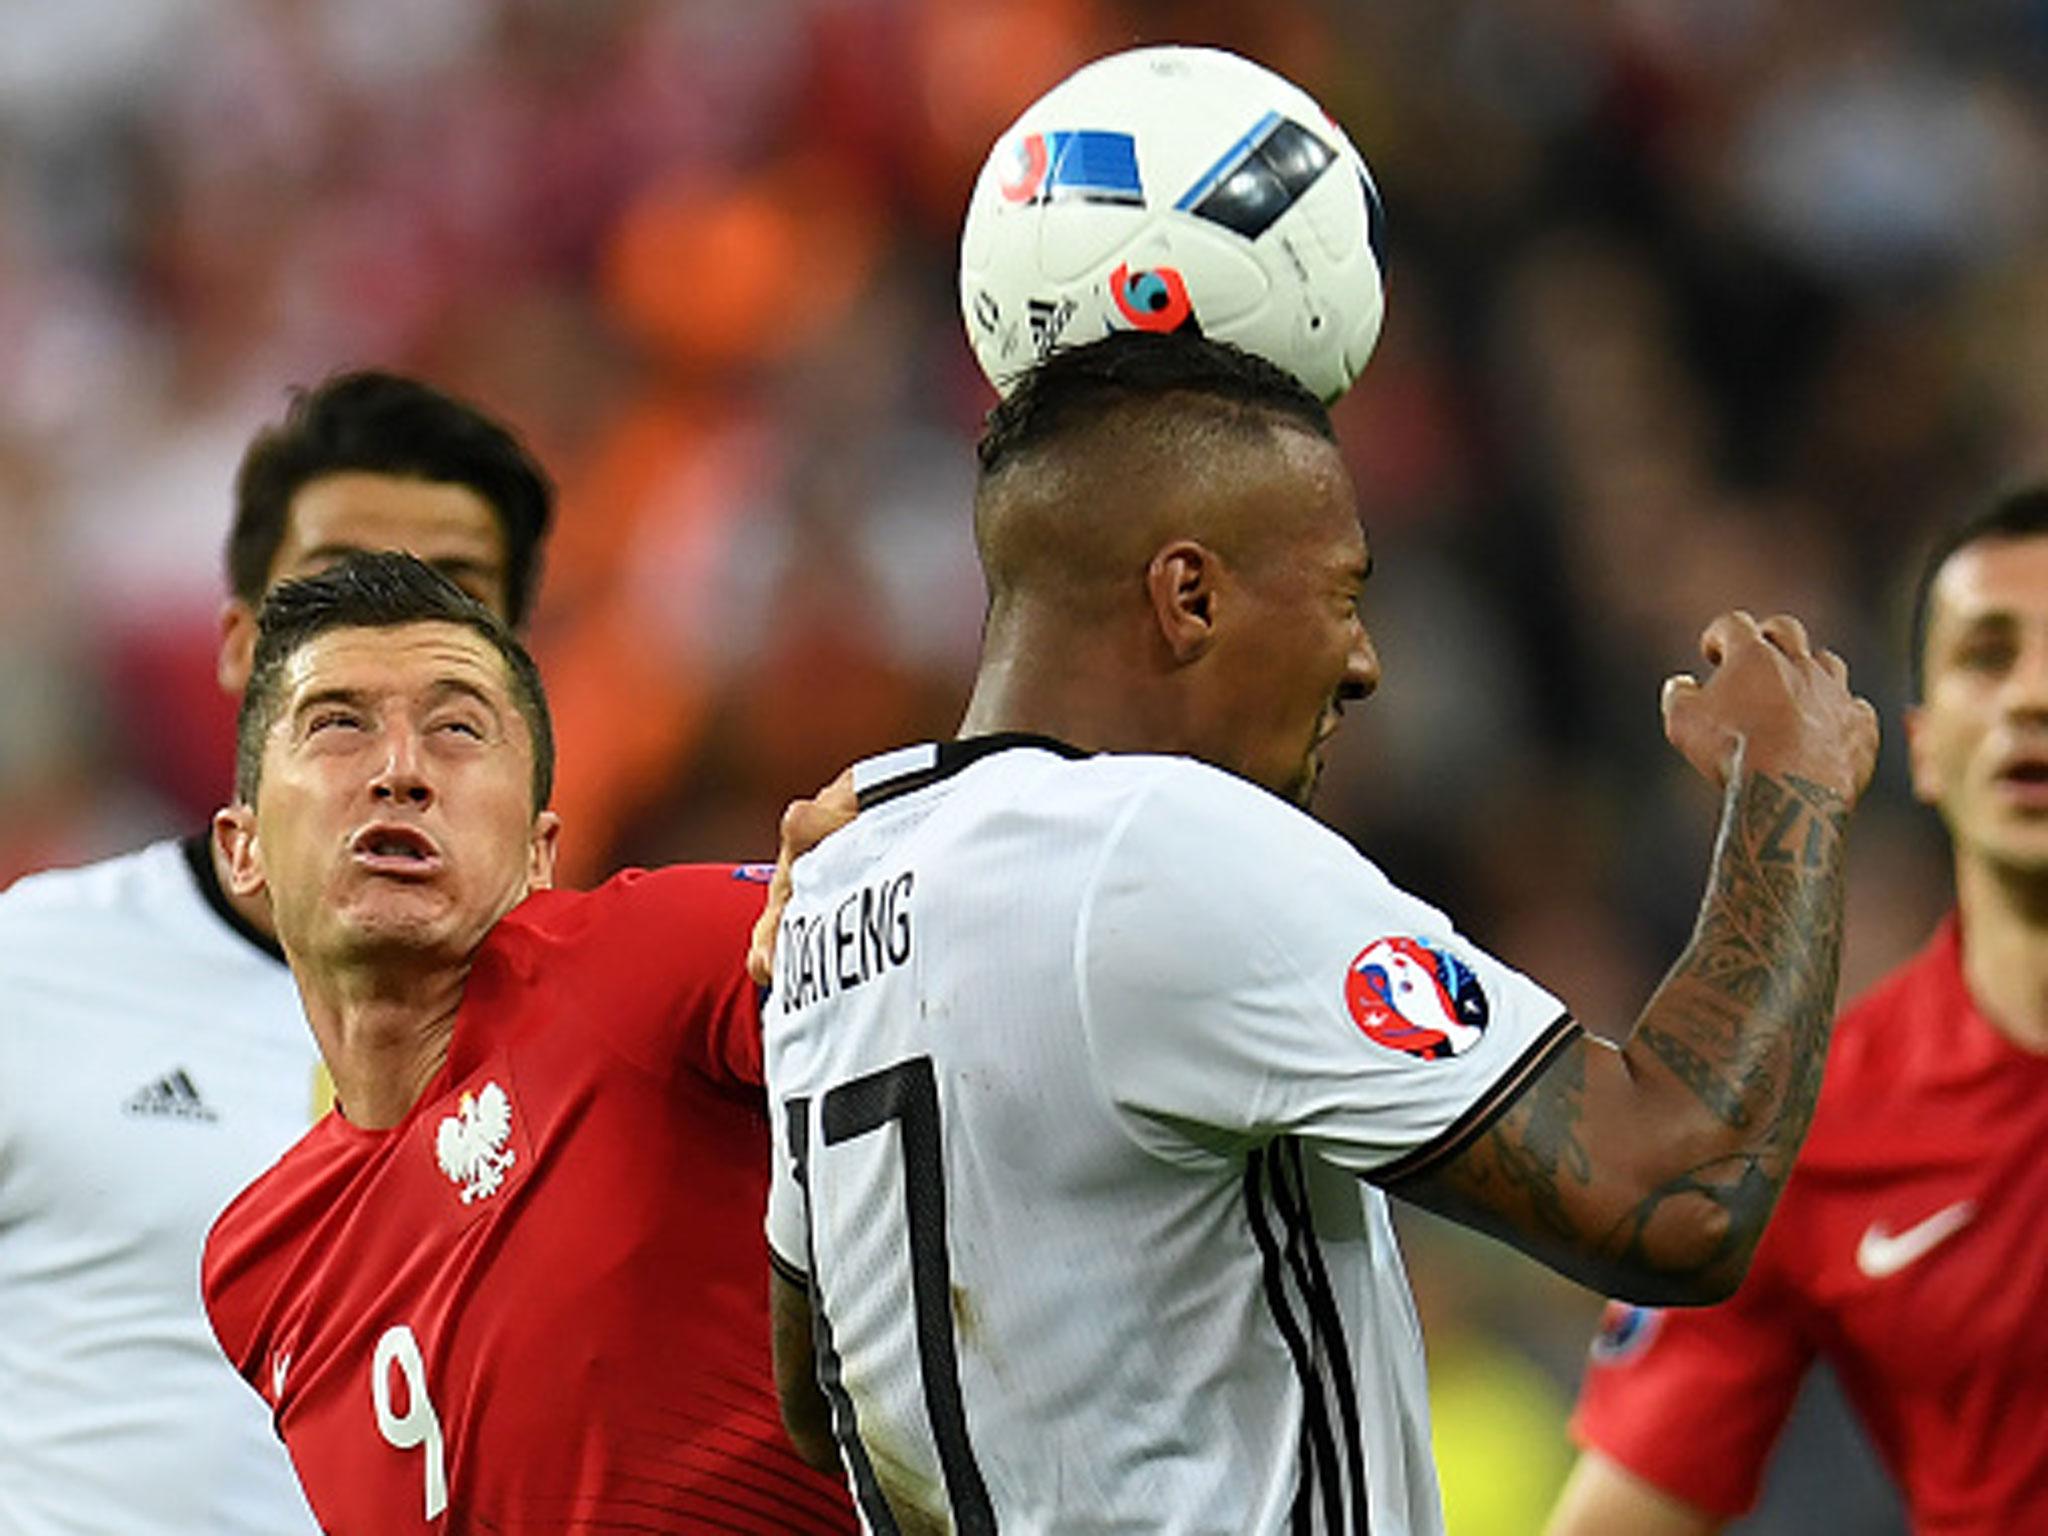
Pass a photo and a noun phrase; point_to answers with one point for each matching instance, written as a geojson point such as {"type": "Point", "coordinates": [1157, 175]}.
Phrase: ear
{"type": "Point", "coordinates": [542, 845]}
{"type": "Point", "coordinates": [1920, 757]}
{"type": "Point", "coordinates": [234, 835]}
{"type": "Point", "coordinates": [1182, 582]}
{"type": "Point", "coordinates": [237, 646]}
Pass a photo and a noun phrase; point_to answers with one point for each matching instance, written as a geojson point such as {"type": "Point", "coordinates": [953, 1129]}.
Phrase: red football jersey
{"type": "Point", "coordinates": [540, 1302]}
{"type": "Point", "coordinates": [1909, 1251]}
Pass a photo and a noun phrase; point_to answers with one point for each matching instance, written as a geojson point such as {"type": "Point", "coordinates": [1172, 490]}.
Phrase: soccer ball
{"type": "Point", "coordinates": [1175, 188]}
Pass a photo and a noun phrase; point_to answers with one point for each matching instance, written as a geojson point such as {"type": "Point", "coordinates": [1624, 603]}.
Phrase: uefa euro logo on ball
{"type": "Point", "coordinates": [1175, 188]}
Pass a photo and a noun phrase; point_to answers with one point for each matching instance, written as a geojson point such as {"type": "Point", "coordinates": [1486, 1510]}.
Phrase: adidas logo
{"type": "Point", "coordinates": [1047, 321]}
{"type": "Point", "coordinates": [172, 1096]}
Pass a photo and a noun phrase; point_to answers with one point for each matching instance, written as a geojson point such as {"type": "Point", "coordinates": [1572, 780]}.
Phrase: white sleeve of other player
{"type": "Point", "coordinates": [1244, 973]}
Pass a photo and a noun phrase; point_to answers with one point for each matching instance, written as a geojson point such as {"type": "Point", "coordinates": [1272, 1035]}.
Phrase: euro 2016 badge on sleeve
{"type": "Point", "coordinates": [1625, 1331]}
{"type": "Point", "coordinates": [1415, 997]}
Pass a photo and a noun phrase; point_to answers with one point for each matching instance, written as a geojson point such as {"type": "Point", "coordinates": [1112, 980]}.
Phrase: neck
{"type": "Point", "coordinates": [1050, 685]}
{"type": "Point", "coordinates": [2004, 917]}
{"type": "Point", "coordinates": [384, 1034]}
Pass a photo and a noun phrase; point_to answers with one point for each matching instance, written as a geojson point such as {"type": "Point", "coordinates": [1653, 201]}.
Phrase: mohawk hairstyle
{"type": "Point", "coordinates": [1081, 383]}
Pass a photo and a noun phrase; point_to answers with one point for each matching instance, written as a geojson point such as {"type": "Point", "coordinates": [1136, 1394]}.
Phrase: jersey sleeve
{"type": "Point", "coordinates": [1244, 973]}
{"type": "Point", "coordinates": [788, 1222]}
{"type": "Point", "coordinates": [224, 1266]}
{"type": "Point", "coordinates": [664, 958]}
{"type": "Point", "coordinates": [1692, 1399]}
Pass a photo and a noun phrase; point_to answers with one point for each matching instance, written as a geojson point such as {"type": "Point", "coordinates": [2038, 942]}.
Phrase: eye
{"type": "Point", "coordinates": [1987, 654]}
{"type": "Point", "coordinates": [460, 725]}
{"type": "Point", "coordinates": [331, 719]}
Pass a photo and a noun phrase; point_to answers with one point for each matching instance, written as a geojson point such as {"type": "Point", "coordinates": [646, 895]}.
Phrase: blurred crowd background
{"type": "Point", "coordinates": [1689, 306]}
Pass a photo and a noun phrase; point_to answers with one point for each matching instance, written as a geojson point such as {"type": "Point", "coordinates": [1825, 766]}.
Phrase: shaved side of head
{"type": "Point", "coordinates": [1109, 451]}
{"type": "Point", "coordinates": [1073, 521]}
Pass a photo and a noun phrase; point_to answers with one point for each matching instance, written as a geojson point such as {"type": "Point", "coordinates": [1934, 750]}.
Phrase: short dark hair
{"type": "Point", "coordinates": [1076, 385]}
{"type": "Point", "coordinates": [2018, 513]}
{"type": "Point", "coordinates": [384, 423]}
{"type": "Point", "coordinates": [376, 590]}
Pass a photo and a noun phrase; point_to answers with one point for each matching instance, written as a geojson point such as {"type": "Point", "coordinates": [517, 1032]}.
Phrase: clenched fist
{"type": "Point", "coordinates": [1771, 703]}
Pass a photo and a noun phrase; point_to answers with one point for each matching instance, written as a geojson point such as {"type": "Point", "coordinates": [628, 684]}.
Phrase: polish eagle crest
{"type": "Point", "coordinates": [471, 1144]}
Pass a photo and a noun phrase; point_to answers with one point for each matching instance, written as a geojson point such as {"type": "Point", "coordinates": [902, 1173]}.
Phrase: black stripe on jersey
{"type": "Point", "coordinates": [790, 1272]}
{"type": "Point", "coordinates": [867, 1489]}
{"type": "Point", "coordinates": [1321, 1481]}
{"type": "Point", "coordinates": [1486, 1109]}
{"type": "Point", "coordinates": [955, 755]}
{"type": "Point", "coordinates": [1326, 1321]}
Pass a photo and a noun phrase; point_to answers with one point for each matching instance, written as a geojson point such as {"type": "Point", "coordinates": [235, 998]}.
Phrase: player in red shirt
{"type": "Point", "coordinates": [517, 1281]}
{"type": "Point", "coordinates": [1909, 1249]}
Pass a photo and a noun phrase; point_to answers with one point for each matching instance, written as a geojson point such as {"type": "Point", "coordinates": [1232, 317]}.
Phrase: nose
{"type": "Point", "coordinates": [1361, 668]}
{"type": "Point", "coordinates": [401, 779]}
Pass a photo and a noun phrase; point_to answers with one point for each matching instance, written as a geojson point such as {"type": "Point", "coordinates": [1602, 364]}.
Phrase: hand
{"type": "Point", "coordinates": [805, 824]}
{"type": "Point", "coordinates": [1771, 704]}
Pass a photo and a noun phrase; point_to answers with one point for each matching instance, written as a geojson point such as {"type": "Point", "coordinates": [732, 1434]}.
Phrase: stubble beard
{"type": "Point", "coordinates": [2023, 877]}
{"type": "Point", "coordinates": [1301, 790]}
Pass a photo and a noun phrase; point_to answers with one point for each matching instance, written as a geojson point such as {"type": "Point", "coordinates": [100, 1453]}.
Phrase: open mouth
{"type": "Point", "coordinates": [2022, 784]}
{"type": "Point", "coordinates": [391, 848]}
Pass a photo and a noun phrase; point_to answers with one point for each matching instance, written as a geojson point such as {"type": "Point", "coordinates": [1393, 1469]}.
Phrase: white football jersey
{"type": "Point", "coordinates": [1078, 1067]}
{"type": "Point", "coordinates": [154, 1058]}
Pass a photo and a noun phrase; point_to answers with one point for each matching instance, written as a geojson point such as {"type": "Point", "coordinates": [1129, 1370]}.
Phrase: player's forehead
{"type": "Point", "coordinates": [404, 662]}
{"type": "Point", "coordinates": [1317, 464]}
{"type": "Point", "coordinates": [448, 525]}
{"type": "Point", "coordinates": [1991, 580]}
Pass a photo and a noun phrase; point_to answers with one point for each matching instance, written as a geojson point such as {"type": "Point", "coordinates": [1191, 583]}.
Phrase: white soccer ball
{"type": "Point", "coordinates": [1170, 188]}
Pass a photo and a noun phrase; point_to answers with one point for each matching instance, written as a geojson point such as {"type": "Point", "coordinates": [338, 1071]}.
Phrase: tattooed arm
{"type": "Point", "coordinates": [1647, 1167]}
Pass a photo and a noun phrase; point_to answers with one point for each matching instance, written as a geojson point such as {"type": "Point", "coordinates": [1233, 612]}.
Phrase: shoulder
{"type": "Point", "coordinates": [254, 1233]}
{"type": "Point", "coordinates": [270, 1241]}
{"type": "Point", "coordinates": [655, 959]}
{"type": "Point", "coordinates": [675, 901]}
{"type": "Point", "coordinates": [1889, 1046]}
{"type": "Point", "coordinates": [1165, 785]}
{"type": "Point", "coordinates": [1232, 889]}
{"type": "Point", "coordinates": [1185, 832]}
{"type": "Point", "coordinates": [1882, 1033]}
{"type": "Point", "coordinates": [1931, 977]}
{"type": "Point", "coordinates": [126, 880]}
{"type": "Point", "coordinates": [49, 918]}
